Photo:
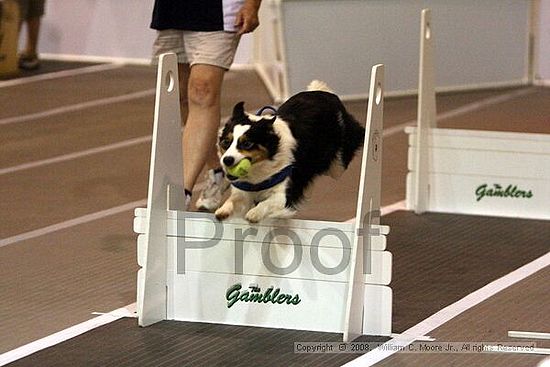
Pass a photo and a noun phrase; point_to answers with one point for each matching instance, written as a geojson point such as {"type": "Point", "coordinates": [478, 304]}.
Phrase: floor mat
{"type": "Point", "coordinates": [438, 259]}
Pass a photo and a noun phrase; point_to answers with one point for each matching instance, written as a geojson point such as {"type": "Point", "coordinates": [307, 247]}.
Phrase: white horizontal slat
{"type": "Point", "coordinates": [222, 258]}
{"type": "Point", "coordinates": [377, 312]}
{"type": "Point", "coordinates": [457, 194]}
{"type": "Point", "coordinates": [201, 297]}
{"type": "Point", "coordinates": [485, 140]}
{"type": "Point", "coordinates": [206, 229]}
{"type": "Point", "coordinates": [347, 226]}
{"type": "Point", "coordinates": [410, 193]}
{"type": "Point", "coordinates": [279, 223]}
{"type": "Point", "coordinates": [139, 290]}
{"type": "Point", "coordinates": [141, 249]}
{"type": "Point", "coordinates": [486, 163]}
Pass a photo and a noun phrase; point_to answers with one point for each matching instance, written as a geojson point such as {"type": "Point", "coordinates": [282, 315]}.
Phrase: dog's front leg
{"type": "Point", "coordinates": [235, 203]}
{"type": "Point", "coordinates": [274, 204]}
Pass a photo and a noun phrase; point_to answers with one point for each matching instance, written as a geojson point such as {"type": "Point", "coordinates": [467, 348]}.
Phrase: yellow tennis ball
{"type": "Point", "coordinates": [240, 169]}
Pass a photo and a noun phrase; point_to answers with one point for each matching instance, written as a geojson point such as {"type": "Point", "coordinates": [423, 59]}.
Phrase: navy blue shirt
{"type": "Point", "coordinates": [195, 15]}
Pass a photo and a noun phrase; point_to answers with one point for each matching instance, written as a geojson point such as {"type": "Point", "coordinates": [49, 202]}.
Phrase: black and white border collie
{"type": "Point", "coordinates": [311, 134]}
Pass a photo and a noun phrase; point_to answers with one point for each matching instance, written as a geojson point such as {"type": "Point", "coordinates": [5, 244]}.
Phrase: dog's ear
{"type": "Point", "coordinates": [238, 112]}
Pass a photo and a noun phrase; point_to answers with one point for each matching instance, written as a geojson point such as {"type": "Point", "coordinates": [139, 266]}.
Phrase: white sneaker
{"type": "Point", "coordinates": [187, 201]}
{"type": "Point", "coordinates": [212, 195]}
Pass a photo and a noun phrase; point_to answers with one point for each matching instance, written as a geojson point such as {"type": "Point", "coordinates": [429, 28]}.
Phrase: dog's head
{"type": "Point", "coordinates": [248, 136]}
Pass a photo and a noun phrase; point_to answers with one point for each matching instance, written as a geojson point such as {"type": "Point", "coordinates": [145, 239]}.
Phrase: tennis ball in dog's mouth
{"type": "Point", "coordinates": [240, 169]}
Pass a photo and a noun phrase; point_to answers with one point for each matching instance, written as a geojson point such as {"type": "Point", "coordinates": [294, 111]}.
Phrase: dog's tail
{"type": "Point", "coordinates": [318, 85]}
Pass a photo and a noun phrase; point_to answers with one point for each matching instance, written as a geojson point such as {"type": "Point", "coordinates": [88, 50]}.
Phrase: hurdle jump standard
{"type": "Point", "coordinates": [469, 171]}
{"type": "Point", "coordinates": [289, 274]}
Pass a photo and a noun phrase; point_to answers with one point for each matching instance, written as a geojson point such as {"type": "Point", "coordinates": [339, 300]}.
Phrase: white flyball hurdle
{"type": "Point", "coordinates": [468, 171]}
{"type": "Point", "coordinates": [289, 274]}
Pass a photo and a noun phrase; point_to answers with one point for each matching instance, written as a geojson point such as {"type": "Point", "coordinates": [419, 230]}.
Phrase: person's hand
{"type": "Point", "coordinates": [247, 18]}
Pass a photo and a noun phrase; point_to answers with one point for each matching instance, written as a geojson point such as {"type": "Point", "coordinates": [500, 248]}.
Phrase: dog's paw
{"type": "Point", "coordinates": [254, 215]}
{"type": "Point", "coordinates": [222, 213]}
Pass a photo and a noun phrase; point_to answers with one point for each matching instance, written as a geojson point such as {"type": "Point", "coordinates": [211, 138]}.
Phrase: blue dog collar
{"type": "Point", "coordinates": [267, 184]}
{"type": "Point", "coordinates": [266, 108]}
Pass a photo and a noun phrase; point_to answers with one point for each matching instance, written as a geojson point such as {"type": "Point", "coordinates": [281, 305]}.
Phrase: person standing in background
{"type": "Point", "coordinates": [30, 12]}
{"type": "Point", "coordinates": [204, 34]}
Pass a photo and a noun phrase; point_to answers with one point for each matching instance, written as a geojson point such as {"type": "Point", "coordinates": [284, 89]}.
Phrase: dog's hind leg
{"type": "Point", "coordinates": [353, 138]}
{"type": "Point", "coordinates": [337, 167]}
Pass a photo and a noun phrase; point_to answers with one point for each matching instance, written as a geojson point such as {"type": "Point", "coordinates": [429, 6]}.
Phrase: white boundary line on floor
{"type": "Point", "coordinates": [528, 334]}
{"type": "Point", "coordinates": [66, 334]}
{"type": "Point", "coordinates": [470, 107]}
{"type": "Point", "coordinates": [75, 155]}
{"type": "Point", "coordinates": [451, 311]}
{"type": "Point", "coordinates": [59, 74]}
{"type": "Point", "coordinates": [542, 82]}
{"type": "Point", "coordinates": [388, 209]}
{"type": "Point", "coordinates": [499, 349]}
{"type": "Point", "coordinates": [77, 107]}
{"type": "Point", "coordinates": [71, 223]}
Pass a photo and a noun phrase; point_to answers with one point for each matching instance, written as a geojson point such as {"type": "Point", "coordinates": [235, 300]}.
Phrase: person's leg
{"type": "Point", "coordinates": [32, 12]}
{"type": "Point", "coordinates": [33, 31]}
{"type": "Point", "coordinates": [212, 160]}
{"type": "Point", "coordinates": [28, 59]}
{"type": "Point", "coordinates": [210, 54]}
{"type": "Point", "coordinates": [203, 119]}
{"type": "Point", "coordinates": [183, 77]}
{"type": "Point", "coordinates": [23, 6]}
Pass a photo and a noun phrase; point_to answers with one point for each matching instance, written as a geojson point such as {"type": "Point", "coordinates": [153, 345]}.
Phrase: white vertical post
{"type": "Point", "coordinates": [426, 113]}
{"type": "Point", "coordinates": [166, 170]}
{"type": "Point", "coordinates": [368, 206]}
{"type": "Point", "coordinates": [270, 51]}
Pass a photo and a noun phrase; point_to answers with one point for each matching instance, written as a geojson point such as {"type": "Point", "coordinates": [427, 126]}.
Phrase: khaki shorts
{"type": "Point", "coordinates": [210, 48]}
{"type": "Point", "coordinates": [31, 8]}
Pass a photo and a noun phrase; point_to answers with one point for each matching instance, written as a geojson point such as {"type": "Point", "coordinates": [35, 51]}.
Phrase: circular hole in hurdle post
{"type": "Point", "coordinates": [378, 98]}
{"type": "Point", "coordinates": [428, 31]}
{"type": "Point", "coordinates": [169, 82]}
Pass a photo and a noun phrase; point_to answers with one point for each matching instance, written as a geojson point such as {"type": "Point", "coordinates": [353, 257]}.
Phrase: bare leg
{"type": "Point", "coordinates": [213, 161]}
{"type": "Point", "coordinates": [203, 119]}
{"type": "Point", "coordinates": [33, 31]}
{"type": "Point", "coordinates": [183, 76]}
